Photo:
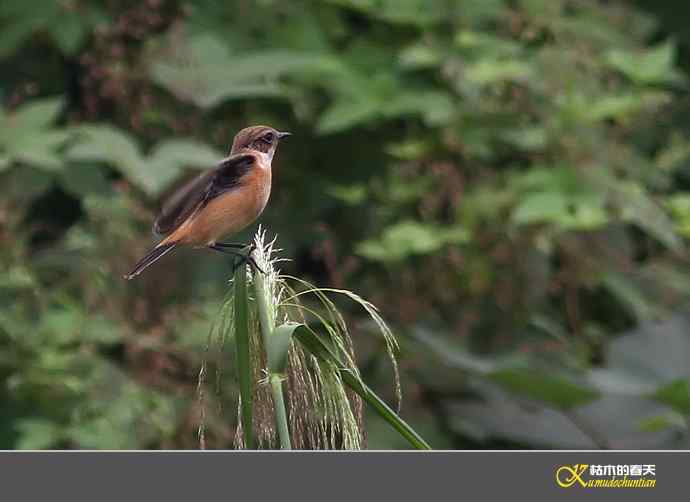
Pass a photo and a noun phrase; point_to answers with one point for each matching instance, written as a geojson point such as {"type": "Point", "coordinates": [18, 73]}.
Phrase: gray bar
{"type": "Point", "coordinates": [325, 476]}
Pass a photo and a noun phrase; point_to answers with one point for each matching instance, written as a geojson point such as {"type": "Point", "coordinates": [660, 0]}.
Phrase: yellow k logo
{"type": "Point", "coordinates": [566, 476]}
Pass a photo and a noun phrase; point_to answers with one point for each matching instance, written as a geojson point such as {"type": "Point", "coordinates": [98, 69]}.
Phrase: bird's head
{"type": "Point", "coordinates": [259, 138]}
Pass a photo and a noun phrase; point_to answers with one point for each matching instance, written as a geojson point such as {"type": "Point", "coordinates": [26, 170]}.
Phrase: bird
{"type": "Point", "coordinates": [221, 201]}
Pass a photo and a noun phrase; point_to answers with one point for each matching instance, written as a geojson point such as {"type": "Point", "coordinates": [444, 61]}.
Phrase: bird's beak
{"type": "Point", "coordinates": [282, 135]}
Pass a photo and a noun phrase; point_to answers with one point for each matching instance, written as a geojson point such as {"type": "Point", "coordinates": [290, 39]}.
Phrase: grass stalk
{"type": "Point", "coordinates": [281, 415]}
{"type": "Point", "coordinates": [266, 321]}
{"type": "Point", "coordinates": [244, 368]}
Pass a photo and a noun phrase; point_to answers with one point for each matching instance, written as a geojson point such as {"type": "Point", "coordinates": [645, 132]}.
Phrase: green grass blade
{"type": "Point", "coordinates": [276, 344]}
{"type": "Point", "coordinates": [281, 414]}
{"type": "Point", "coordinates": [384, 410]}
{"type": "Point", "coordinates": [244, 368]}
{"type": "Point", "coordinates": [321, 350]}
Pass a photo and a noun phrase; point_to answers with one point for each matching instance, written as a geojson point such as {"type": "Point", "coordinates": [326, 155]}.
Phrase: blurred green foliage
{"type": "Point", "coordinates": [509, 181]}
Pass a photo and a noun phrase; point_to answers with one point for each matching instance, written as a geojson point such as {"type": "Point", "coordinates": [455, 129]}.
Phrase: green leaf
{"type": "Point", "coordinates": [98, 329]}
{"type": "Point", "coordinates": [435, 107]}
{"type": "Point", "coordinates": [27, 136]}
{"type": "Point", "coordinates": [646, 359]}
{"type": "Point", "coordinates": [351, 195]}
{"type": "Point", "coordinates": [652, 66]}
{"type": "Point", "coordinates": [118, 413]}
{"type": "Point", "coordinates": [637, 207]}
{"type": "Point", "coordinates": [501, 417]}
{"type": "Point", "coordinates": [169, 158]}
{"type": "Point", "coordinates": [102, 143]}
{"type": "Point", "coordinates": [206, 73]}
{"type": "Point", "coordinates": [152, 174]}
{"type": "Point", "coordinates": [419, 56]}
{"type": "Point", "coordinates": [529, 138]}
{"type": "Point", "coordinates": [562, 197]}
{"type": "Point", "coordinates": [485, 72]}
{"type": "Point", "coordinates": [487, 44]}
{"type": "Point", "coordinates": [662, 422]}
{"type": "Point", "coordinates": [609, 422]}
{"type": "Point", "coordinates": [184, 152]}
{"type": "Point", "coordinates": [541, 207]}
{"type": "Point", "coordinates": [631, 295]}
{"type": "Point", "coordinates": [361, 98]}
{"type": "Point", "coordinates": [85, 179]}
{"type": "Point", "coordinates": [35, 114]}
{"type": "Point", "coordinates": [551, 389]}
{"type": "Point", "coordinates": [40, 149]}
{"type": "Point", "coordinates": [410, 149]}
{"type": "Point", "coordinates": [578, 108]}
{"type": "Point", "coordinates": [278, 345]}
{"type": "Point", "coordinates": [409, 238]}
{"type": "Point", "coordinates": [679, 207]}
{"type": "Point", "coordinates": [66, 23]}
{"type": "Point", "coordinates": [621, 106]}
{"type": "Point", "coordinates": [38, 434]}
{"type": "Point", "coordinates": [415, 12]}
{"type": "Point", "coordinates": [676, 395]}
{"type": "Point", "coordinates": [453, 355]}
{"type": "Point", "coordinates": [345, 114]}
{"type": "Point", "coordinates": [17, 277]}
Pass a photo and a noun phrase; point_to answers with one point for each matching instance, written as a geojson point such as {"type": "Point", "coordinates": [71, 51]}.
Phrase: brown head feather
{"type": "Point", "coordinates": [260, 138]}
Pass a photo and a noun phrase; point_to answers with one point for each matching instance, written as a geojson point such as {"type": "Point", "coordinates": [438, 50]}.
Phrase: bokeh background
{"type": "Point", "coordinates": [508, 180]}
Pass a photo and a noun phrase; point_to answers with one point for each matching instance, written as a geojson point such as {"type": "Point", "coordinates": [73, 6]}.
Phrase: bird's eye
{"type": "Point", "coordinates": [269, 137]}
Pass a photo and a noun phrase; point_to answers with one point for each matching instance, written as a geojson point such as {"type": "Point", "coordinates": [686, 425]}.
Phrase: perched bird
{"type": "Point", "coordinates": [221, 201]}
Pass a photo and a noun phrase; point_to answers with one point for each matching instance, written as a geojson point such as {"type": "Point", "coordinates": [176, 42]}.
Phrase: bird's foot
{"type": "Point", "coordinates": [235, 245]}
{"type": "Point", "coordinates": [244, 258]}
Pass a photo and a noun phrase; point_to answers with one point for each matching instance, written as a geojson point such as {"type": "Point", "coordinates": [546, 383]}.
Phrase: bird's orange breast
{"type": "Point", "coordinates": [228, 213]}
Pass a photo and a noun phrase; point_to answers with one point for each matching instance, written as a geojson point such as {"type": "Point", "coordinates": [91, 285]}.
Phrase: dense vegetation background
{"type": "Point", "coordinates": [508, 180]}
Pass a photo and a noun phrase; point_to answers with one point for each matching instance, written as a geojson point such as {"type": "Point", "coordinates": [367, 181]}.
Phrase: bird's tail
{"type": "Point", "coordinates": [153, 256]}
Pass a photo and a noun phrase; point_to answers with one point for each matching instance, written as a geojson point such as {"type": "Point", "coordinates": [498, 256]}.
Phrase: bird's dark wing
{"type": "Point", "coordinates": [202, 189]}
{"type": "Point", "coordinates": [182, 203]}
